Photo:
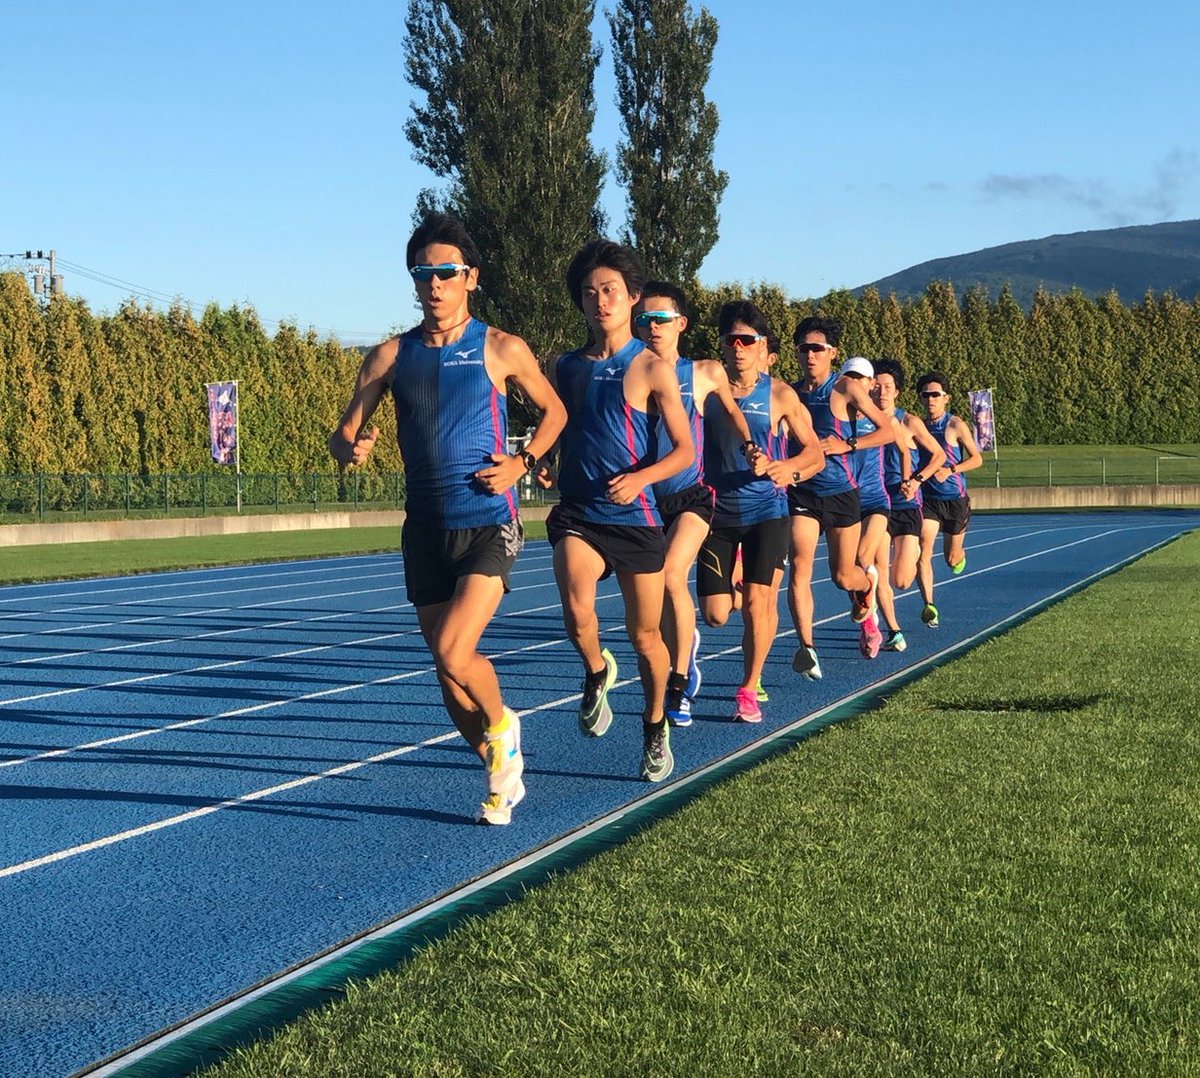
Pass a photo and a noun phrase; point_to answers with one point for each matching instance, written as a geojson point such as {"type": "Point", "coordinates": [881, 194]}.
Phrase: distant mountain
{"type": "Point", "coordinates": [1163, 258]}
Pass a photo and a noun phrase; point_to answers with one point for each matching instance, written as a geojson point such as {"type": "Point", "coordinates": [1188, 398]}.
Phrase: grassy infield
{"type": "Point", "coordinates": [997, 871]}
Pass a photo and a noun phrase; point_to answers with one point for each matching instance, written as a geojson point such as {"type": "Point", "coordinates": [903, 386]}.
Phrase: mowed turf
{"type": "Point", "coordinates": [64, 561]}
{"type": "Point", "coordinates": [995, 872]}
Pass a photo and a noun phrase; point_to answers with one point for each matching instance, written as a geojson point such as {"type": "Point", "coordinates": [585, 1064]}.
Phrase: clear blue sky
{"type": "Point", "coordinates": [254, 152]}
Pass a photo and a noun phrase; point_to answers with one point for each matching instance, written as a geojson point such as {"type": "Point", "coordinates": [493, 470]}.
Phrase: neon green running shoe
{"type": "Point", "coordinates": [929, 615]}
{"type": "Point", "coordinates": [760, 693]}
{"type": "Point", "coordinates": [956, 569]}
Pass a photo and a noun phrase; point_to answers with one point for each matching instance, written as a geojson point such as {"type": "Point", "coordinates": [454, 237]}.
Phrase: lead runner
{"type": "Point", "coordinates": [461, 531]}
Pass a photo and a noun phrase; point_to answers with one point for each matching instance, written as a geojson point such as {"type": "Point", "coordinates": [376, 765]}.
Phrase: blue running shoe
{"type": "Point", "coordinates": [678, 707]}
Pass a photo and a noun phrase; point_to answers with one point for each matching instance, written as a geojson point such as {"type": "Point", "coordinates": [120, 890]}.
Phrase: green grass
{"type": "Point", "coordinates": [1090, 465]}
{"type": "Point", "coordinates": [63, 561]}
{"type": "Point", "coordinates": [995, 872]}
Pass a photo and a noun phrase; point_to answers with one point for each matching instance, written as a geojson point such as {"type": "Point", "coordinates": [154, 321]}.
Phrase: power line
{"type": "Point", "coordinates": [152, 294]}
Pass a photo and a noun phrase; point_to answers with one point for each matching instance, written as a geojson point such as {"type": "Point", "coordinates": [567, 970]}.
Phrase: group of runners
{"type": "Point", "coordinates": [662, 463]}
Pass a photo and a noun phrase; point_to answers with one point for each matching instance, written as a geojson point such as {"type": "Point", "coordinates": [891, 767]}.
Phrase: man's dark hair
{"type": "Point", "coordinates": [442, 228]}
{"type": "Point", "coordinates": [892, 367]}
{"type": "Point", "coordinates": [742, 310]}
{"type": "Point", "coordinates": [609, 255]}
{"type": "Point", "coordinates": [930, 378]}
{"type": "Point", "coordinates": [672, 292]}
{"type": "Point", "coordinates": [831, 327]}
{"type": "Point", "coordinates": [773, 344]}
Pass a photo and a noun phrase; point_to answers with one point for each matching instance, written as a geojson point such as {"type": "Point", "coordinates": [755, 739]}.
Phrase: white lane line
{"type": "Point", "coordinates": [187, 723]}
{"type": "Point", "coordinates": [119, 622]}
{"type": "Point", "coordinates": [257, 795]}
{"type": "Point", "coordinates": [124, 589]}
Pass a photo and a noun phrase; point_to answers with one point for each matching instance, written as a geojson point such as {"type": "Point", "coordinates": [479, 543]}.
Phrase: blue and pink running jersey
{"type": "Point", "coordinates": [837, 476]}
{"type": "Point", "coordinates": [743, 498]}
{"type": "Point", "coordinates": [450, 419]}
{"type": "Point", "coordinates": [868, 467]}
{"type": "Point", "coordinates": [955, 485]}
{"type": "Point", "coordinates": [694, 473]}
{"type": "Point", "coordinates": [604, 437]}
{"type": "Point", "coordinates": [893, 474]}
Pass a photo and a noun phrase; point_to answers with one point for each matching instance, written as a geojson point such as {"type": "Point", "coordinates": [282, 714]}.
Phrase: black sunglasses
{"type": "Point", "coordinates": [929, 393]}
{"type": "Point", "coordinates": [813, 347]}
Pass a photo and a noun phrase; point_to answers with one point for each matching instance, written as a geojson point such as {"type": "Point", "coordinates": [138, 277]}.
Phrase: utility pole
{"type": "Point", "coordinates": [47, 281]}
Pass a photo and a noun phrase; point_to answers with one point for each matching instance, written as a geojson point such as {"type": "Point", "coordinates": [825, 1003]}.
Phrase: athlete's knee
{"type": "Point", "coordinates": [455, 664]}
{"type": "Point", "coordinates": [902, 578]}
{"type": "Point", "coordinates": [675, 580]}
{"type": "Point", "coordinates": [645, 638]}
{"type": "Point", "coordinates": [715, 616]}
{"type": "Point", "coordinates": [848, 577]}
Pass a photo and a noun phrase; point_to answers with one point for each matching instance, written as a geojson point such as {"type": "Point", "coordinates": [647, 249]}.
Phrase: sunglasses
{"type": "Point", "coordinates": [813, 347]}
{"type": "Point", "coordinates": [742, 340]}
{"type": "Point", "coordinates": [658, 318]}
{"type": "Point", "coordinates": [443, 272]}
{"type": "Point", "coordinates": [929, 394]}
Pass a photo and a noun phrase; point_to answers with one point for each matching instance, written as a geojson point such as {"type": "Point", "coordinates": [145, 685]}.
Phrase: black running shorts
{"type": "Point", "coordinates": [833, 511]}
{"type": "Point", "coordinates": [764, 548]}
{"type": "Point", "coordinates": [904, 522]}
{"type": "Point", "coordinates": [952, 514]}
{"type": "Point", "coordinates": [625, 548]}
{"type": "Point", "coordinates": [435, 559]}
{"type": "Point", "coordinates": [697, 499]}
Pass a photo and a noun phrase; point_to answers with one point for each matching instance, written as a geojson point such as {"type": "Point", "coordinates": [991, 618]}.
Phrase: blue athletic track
{"type": "Point", "coordinates": [208, 777]}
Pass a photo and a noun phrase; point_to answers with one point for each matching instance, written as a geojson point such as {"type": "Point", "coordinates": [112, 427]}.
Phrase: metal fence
{"type": "Point", "coordinates": [47, 497]}
{"type": "Point", "coordinates": [55, 497]}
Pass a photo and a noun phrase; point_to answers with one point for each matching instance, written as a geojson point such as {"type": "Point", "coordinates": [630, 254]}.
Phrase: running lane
{"type": "Point", "coordinates": [208, 777]}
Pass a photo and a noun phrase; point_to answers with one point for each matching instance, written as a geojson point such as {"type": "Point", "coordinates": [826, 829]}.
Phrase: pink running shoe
{"type": "Point", "coordinates": [862, 603]}
{"type": "Point", "coordinates": [745, 707]}
{"type": "Point", "coordinates": [870, 639]}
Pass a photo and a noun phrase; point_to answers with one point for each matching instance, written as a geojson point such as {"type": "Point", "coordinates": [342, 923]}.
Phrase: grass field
{"type": "Point", "coordinates": [64, 561]}
{"type": "Point", "coordinates": [994, 873]}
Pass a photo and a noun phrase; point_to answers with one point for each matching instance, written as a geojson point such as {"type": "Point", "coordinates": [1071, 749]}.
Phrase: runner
{"type": "Point", "coordinates": [684, 501]}
{"type": "Point", "coordinates": [461, 531]}
{"type": "Point", "coordinates": [751, 509]}
{"type": "Point", "coordinates": [829, 502]}
{"type": "Point", "coordinates": [947, 505]}
{"type": "Point", "coordinates": [608, 520]}
{"type": "Point", "coordinates": [904, 491]}
{"type": "Point", "coordinates": [874, 503]}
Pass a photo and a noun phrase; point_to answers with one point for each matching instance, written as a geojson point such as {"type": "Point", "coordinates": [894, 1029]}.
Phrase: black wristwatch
{"type": "Point", "coordinates": [796, 477]}
{"type": "Point", "coordinates": [852, 442]}
{"type": "Point", "coordinates": [529, 460]}
{"type": "Point", "coordinates": [747, 445]}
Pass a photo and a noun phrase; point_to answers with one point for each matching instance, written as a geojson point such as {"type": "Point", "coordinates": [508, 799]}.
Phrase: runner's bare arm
{"type": "Point", "coordinates": [937, 455]}
{"type": "Point", "coordinates": [972, 458]}
{"type": "Point", "coordinates": [662, 388]}
{"type": "Point", "coordinates": [509, 357]}
{"type": "Point", "coordinates": [786, 404]}
{"type": "Point", "coordinates": [351, 442]}
{"type": "Point", "coordinates": [717, 381]}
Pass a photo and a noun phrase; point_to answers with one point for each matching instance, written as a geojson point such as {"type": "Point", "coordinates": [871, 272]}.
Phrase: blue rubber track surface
{"type": "Point", "coordinates": [208, 777]}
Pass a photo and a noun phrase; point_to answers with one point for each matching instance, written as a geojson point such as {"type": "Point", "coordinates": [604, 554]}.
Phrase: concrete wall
{"type": "Point", "coordinates": [1122, 497]}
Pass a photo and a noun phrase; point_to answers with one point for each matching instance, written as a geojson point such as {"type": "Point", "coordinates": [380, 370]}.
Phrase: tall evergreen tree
{"type": "Point", "coordinates": [663, 54]}
{"type": "Point", "coordinates": [506, 120]}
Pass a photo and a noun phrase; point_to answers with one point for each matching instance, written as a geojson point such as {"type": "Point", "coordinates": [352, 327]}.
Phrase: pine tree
{"type": "Point", "coordinates": [662, 52]}
{"type": "Point", "coordinates": [506, 120]}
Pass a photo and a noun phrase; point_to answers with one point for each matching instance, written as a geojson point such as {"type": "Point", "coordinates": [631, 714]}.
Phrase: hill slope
{"type": "Point", "coordinates": [1163, 257]}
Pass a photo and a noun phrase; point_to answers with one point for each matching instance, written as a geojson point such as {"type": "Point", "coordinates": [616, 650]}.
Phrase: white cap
{"type": "Point", "coordinates": [857, 365]}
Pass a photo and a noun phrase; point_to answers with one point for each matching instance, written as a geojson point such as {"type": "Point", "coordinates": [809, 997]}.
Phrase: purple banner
{"type": "Point", "coordinates": [223, 420]}
{"type": "Point", "coordinates": [983, 419]}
